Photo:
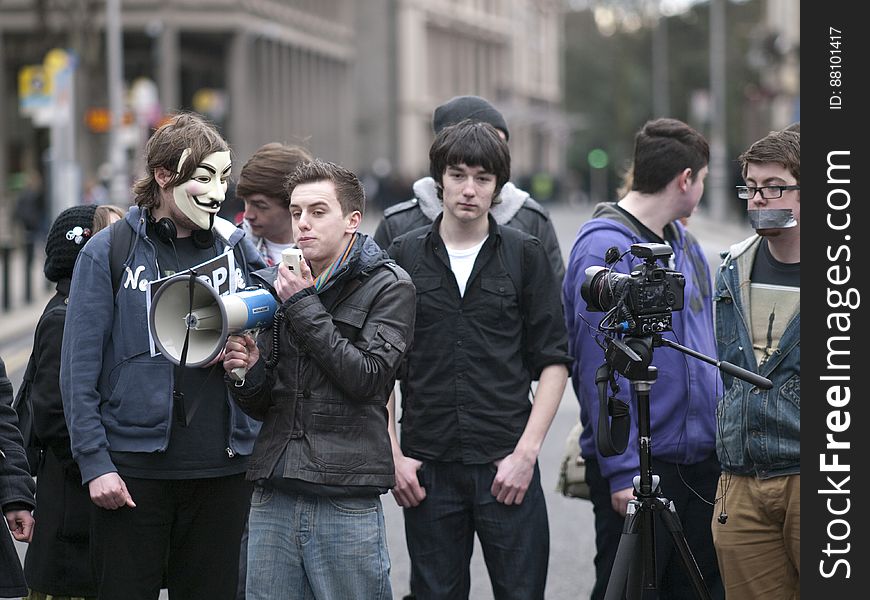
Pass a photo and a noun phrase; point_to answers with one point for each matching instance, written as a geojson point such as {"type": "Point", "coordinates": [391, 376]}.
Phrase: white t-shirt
{"type": "Point", "coordinates": [461, 263]}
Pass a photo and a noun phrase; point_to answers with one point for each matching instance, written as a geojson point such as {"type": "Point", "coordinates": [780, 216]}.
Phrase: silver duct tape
{"type": "Point", "coordinates": [771, 218]}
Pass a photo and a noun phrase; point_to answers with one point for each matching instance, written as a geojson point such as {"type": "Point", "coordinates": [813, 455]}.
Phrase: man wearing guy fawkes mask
{"type": "Point", "coordinates": [757, 301]}
{"type": "Point", "coordinates": [166, 474]}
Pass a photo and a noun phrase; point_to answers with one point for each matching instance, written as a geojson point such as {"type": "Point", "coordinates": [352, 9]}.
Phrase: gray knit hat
{"type": "Point", "coordinates": [68, 234]}
{"type": "Point", "coordinates": [468, 107]}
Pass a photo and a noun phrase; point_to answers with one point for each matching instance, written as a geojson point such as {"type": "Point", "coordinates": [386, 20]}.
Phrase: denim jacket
{"type": "Point", "coordinates": [759, 430]}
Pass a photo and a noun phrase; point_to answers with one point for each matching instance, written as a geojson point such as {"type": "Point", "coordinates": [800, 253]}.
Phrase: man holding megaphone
{"type": "Point", "coordinates": [319, 379]}
{"type": "Point", "coordinates": [160, 444]}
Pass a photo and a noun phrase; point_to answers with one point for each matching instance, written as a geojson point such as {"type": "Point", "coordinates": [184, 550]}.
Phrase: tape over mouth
{"type": "Point", "coordinates": [771, 218]}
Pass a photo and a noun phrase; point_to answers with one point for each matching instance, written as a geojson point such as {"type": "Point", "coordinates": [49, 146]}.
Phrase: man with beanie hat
{"type": "Point", "coordinates": [162, 448]}
{"type": "Point", "coordinates": [514, 207]}
{"type": "Point", "coordinates": [57, 559]}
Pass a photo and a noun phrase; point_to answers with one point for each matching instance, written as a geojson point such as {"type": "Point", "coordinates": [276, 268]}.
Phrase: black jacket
{"type": "Point", "coordinates": [324, 405]}
{"type": "Point", "coordinates": [16, 488]}
{"type": "Point", "coordinates": [57, 560]}
{"type": "Point", "coordinates": [517, 209]}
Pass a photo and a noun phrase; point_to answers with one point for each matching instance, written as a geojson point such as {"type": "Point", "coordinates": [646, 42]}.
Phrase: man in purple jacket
{"type": "Point", "coordinates": [670, 164]}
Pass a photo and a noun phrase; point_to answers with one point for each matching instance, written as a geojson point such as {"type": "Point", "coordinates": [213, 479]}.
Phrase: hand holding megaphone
{"type": "Point", "coordinates": [240, 354]}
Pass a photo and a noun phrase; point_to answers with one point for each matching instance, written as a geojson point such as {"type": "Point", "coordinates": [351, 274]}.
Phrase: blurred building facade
{"type": "Point", "coordinates": [784, 78]}
{"type": "Point", "coordinates": [356, 82]}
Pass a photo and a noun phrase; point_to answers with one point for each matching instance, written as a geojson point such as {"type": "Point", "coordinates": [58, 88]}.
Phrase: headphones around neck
{"type": "Point", "coordinates": [165, 231]}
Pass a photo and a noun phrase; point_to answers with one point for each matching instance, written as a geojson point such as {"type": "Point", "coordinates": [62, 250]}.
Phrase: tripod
{"type": "Point", "coordinates": [631, 357]}
{"type": "Point", "coordinates": [638, 534]}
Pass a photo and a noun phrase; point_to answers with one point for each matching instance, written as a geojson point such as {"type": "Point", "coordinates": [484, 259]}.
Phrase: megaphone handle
{"type": "Point", "coordinates": [238, 375]}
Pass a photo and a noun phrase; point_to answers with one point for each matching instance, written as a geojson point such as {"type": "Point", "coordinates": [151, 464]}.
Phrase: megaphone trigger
{"type": "Point", "coordinates": [238, 374]}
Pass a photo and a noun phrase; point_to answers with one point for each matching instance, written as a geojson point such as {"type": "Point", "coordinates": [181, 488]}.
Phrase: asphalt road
{"type": "Point", "coordinates": [572, 545]}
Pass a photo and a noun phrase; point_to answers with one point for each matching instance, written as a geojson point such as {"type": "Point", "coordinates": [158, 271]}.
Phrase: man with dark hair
{"type": "Point", "coordinates": [319, 380]}
{"type": "Point", "coordinates": [267, 220]}
{"type": "Point", "coordinates": [161, 447]}
{"type": "Point", "coordinates": [488, 324]}
{"type": "Point", "coordinates": [669, 167]}
{"type": "Point", "coordinates": [514, 207]}
{"type": "Point", "coordinates": [758, 324]}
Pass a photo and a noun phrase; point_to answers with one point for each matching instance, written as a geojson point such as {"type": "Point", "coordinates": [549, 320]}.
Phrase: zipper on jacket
{"type": "Point", "coordinates": [230, 452]}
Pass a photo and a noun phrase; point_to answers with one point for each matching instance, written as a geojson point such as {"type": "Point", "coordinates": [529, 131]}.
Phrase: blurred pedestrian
{"type": "Point", "coordinates": [95, 192]}
{"type": "Point", "coordinates": [57, 561]}
{"type": "Point", "coordinates": [16, 493]}
{"type": "Point", "coordinates": [516, 208]}
{"type": "Point", "coordinates": [488, 324]}
{"type": "Point", "coordinates": [666, 184]}
{"type": "Point", "coordinates": [319, 380]}
{"type": "Point", "coordinates": [161, 447]}
{"type": "Point", "coordinates": [31, 206]}
{"type": "Point", "coordinates": [267, 219]}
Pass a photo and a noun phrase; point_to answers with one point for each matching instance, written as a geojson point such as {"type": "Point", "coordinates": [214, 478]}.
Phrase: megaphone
{"type": "Point", "coordinates": [203, 318]}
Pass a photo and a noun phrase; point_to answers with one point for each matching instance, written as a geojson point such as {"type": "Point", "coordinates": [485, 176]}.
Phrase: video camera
{"type": "Point", "coordinates": [640, 303]}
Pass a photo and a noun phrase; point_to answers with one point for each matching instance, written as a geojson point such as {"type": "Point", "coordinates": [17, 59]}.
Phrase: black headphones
{"type": "Point", "coordinates": [165, 231]}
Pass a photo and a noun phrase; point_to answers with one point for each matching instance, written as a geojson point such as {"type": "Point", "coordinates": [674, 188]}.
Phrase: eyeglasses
{"type": "Point", "coordinates": [768, 192]}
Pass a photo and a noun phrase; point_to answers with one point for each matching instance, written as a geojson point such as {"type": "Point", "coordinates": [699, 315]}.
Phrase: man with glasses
{"type": "Point", "coordinates": [757, 301]}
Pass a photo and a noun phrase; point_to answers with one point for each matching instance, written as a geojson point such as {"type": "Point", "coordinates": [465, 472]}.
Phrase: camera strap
{"type": "Point", "coordinates": [612, 435]}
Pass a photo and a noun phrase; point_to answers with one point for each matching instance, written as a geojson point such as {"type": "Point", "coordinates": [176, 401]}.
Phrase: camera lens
{"type": "Point", "coordinates": [600, 287]}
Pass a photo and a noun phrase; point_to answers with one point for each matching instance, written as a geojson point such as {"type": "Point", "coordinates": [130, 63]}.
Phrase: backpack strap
{"type": "Point", "coordinates": [120, 242]}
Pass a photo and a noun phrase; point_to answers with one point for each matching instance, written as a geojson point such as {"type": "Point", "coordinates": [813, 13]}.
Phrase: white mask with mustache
{"type": "Point", "coordinates": [200, 197]}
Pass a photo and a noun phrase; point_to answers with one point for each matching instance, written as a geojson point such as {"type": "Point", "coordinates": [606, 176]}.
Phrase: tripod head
{"type": "Point", "coordinates": [631, 357]}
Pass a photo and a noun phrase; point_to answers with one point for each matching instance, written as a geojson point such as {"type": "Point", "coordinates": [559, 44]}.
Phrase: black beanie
{"type": "Point", "coordinates": [468, 107]}
{"type": "Point", "coordinates": [68, 234]}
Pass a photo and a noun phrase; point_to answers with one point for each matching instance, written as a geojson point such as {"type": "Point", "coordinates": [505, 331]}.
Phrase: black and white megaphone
{"type": "Point", "coordinates": [204, 319]}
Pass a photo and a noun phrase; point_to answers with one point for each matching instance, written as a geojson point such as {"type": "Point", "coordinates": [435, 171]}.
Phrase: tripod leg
{"type": "Point", "coordinates": [675, 529]}
{"type": "Point", "coordinates": [624, 571]}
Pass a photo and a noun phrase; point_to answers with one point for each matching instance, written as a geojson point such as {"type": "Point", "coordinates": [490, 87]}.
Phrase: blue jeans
{"type": "Point", "coordinates": [309, 547]}
{"type": "Point", "coordinates": [440, 534]}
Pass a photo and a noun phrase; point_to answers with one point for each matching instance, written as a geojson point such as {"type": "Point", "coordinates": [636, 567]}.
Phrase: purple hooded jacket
{"type": "Point", "coordinates": [683, 398]}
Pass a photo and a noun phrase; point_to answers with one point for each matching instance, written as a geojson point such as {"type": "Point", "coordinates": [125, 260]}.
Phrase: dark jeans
{"type": "Point", "coordinates": [191, 529]}
{"type": "Point", "coordinates": [694, 514]}
{"type": "Point", "coordinates": [440, 535]}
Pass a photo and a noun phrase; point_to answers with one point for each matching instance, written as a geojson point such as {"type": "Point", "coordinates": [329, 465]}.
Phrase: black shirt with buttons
{"type": "Point", "coordinates": [467, 377]}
